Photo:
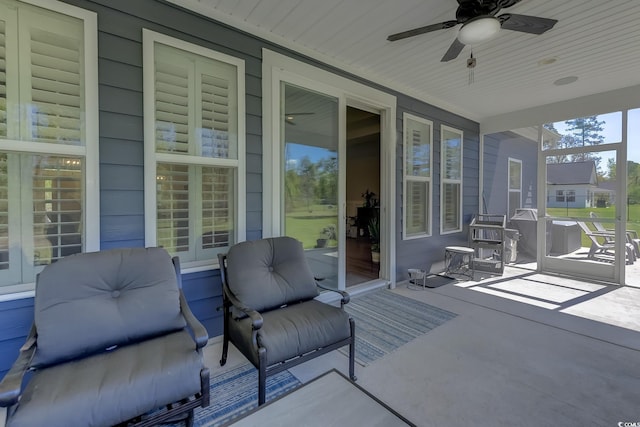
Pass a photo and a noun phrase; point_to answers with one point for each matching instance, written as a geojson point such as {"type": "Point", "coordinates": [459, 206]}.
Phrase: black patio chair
{"type": "Point", "coordinates": [270, 313]}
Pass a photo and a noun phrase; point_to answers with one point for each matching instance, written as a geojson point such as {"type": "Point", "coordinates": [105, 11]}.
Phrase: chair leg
{"type": "Point", "coordinates": [225, 350]}
{"type": "Point", "coordinates": [205, 383]}
{"type": "Point", "coordinates": [352, 351]}
{"type": "Point", "coordinates": [225, 337]}
{"type": "Point", "coordinates": [262, 376]}
{"type": "Point", "coordinates": [189, 421]}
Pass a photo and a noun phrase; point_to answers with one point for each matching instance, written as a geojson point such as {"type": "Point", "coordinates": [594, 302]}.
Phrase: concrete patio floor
{"type": "Point", "coordinates": [502, 362]}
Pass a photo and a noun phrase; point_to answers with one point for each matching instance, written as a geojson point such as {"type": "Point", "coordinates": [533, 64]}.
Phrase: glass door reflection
{"type": "Point", "coordinates": [310, 130]}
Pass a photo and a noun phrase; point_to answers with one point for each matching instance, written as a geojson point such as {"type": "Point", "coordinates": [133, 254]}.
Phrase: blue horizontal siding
{"type": "Point", "coordinates": [16, 318]}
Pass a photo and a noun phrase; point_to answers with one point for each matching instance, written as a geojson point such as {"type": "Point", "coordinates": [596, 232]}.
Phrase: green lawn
{"type": "Point", "coordinates": [306, 224]}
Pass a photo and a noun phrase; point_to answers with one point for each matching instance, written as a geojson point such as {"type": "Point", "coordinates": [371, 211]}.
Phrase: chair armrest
{"type": "Point", "coordinates": [601, 233]}
{"type": "Point", "coordinates": [632, 233]}
{"type": "Point", "coordinates": [345, 296]}
{"type": "Point", "coordinates": [256, 318]}
{"type": "Point", "coordinates": [200, 334]}
{"type": "Point", "coordinates": [11, 385]}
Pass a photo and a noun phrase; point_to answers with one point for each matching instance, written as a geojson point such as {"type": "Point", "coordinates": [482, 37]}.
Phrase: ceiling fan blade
{"type": "Point", "coordinates": [422, 30]}
{"type": "Point", "coordinates": [503, 4]}
{"type": "Point", "coordinates": [526, 23]}
{"type": "Point", "coordinates": [453, 52]}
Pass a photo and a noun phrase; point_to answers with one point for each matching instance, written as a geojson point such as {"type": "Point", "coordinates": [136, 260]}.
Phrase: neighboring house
{"type": "Point", "coordinates": [574, 185]}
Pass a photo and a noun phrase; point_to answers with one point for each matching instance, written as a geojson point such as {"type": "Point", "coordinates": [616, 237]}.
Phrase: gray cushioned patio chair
{"type": "Point", "coordinates": [113, 341]}
{"type": "Point", "coordinates": [270, 313]}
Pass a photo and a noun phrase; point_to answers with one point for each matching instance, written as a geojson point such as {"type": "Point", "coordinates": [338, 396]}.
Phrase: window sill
{"type": "Point", "coordinates": [16, 292]}
{"type": "Point", "coordinates": [196, 268]}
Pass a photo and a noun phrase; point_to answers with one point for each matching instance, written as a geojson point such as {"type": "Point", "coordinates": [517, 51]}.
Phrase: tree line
{"type": "Point", "coordinates": [307, 183]}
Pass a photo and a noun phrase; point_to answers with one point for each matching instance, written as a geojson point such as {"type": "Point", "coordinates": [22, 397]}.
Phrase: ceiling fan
{"type": "Point", "coordinates": [480, 23]}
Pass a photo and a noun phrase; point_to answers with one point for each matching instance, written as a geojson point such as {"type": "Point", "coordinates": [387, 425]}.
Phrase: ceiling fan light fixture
{"type": "Point", "coordinates": [478, 30]}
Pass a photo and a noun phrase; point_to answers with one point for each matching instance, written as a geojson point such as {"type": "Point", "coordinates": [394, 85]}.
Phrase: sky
{"type": "Point", "coordinates": [613, 132]}
{"type": "Point", "coordinates": [295, 153]}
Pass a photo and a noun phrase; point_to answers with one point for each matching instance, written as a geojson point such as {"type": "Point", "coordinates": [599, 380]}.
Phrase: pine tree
{"type": "Point", "coordinates": [584, 131]}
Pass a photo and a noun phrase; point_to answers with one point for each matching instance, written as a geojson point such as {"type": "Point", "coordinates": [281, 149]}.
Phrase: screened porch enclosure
{"type": "Point", "coordinates": [567, 174]}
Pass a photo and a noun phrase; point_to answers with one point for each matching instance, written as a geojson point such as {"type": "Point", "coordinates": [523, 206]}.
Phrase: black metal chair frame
{"type": "Point", "coordinates": [264, 371]}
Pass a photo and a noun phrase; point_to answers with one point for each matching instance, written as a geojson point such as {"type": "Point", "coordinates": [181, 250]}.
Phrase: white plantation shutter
{"type": "Point", "coordinates": [52, 86]}
{"type": "Point", "coordinates": [420, 153]}
{"type": "Point", "coordinates": [57, 207]}
{"type": "Point", "coordinates": [4, 213]}
{"type": "Point", "coordinates": [216, 118]}
{"type": "Point", "coordinates": [172, 93]}
{"type": "Point", "coordinates": [417, 195]}
{"type": "Point", "coordinates": [217, 207]}
{"type": "Point", "coordinates": [417, 176]}
{"type": "Point", "coordinates": [173, 222]}
{"type": "Point", "coordinates": [451, 206]}
{"type": "Point", "coordinates": [451, 192]}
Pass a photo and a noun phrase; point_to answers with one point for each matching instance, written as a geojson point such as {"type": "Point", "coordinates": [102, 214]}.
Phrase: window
{"type": "Point", "coordinates": [451, 180]}
{"type": "Point", "coordinates": [418, 134]}
{"type": "Point", "coordinates": [515, 186]}
{"type": "Point", "coordinates": [571, 196]}
{"type": "Point", "coordinates": [48, 138]}
{"type": "Point", "coordinates": [194, 148]}
{"type": "Point", "coordinates": [559, 195]}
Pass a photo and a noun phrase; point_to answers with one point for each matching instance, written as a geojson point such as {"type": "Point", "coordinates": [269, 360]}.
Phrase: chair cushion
{"type": "Point", "coordinates": [292, 331]}
{"type": "Point", "coordinates": [268, 273]}
{"type": "Point", "coordinates": [121, 295]}
{"type": "Point", "coordinates": [112, 387]}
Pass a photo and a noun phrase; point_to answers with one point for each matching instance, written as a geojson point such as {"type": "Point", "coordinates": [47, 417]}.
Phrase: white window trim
{"type": "Point", "coordinates": [509, 190]}
{"type": "Point", "coordinates": [444, 181]}
{"type": "Point", "coordinates": [407, 177]}
{"type": "Point", "coordinates": [90, 150]}
{"type": "Point", "coordinates": [151, 157]}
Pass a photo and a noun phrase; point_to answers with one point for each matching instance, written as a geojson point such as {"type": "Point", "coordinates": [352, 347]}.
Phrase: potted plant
{"type": "Point", "coordinates": [327, 233]}
{"type": "Point", "coordinates": [374, 235]}
{"type": "Point", "coordinates": [370, 200]}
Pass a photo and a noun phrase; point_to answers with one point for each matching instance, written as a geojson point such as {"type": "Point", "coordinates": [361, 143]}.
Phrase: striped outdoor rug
{"type": "Point", "coordinates": [386, 320]}
{"type": "Point", "coordinates": [235, 392]}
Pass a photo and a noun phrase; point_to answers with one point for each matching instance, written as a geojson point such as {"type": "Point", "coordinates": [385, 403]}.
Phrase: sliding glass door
{"type": "Point", "coordinates": [309, 129]}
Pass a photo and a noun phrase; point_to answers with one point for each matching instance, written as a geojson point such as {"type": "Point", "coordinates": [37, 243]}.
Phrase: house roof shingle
{"type": "Point", "coordinates": [572, 173]}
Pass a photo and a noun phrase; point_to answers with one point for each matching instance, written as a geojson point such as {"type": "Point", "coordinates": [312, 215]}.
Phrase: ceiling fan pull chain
{"type": "Point", "coordinates": [471, 64]}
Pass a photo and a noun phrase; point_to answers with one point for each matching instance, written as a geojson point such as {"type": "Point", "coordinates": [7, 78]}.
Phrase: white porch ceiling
{"type": "Point", "coordinates": [597, 41]}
